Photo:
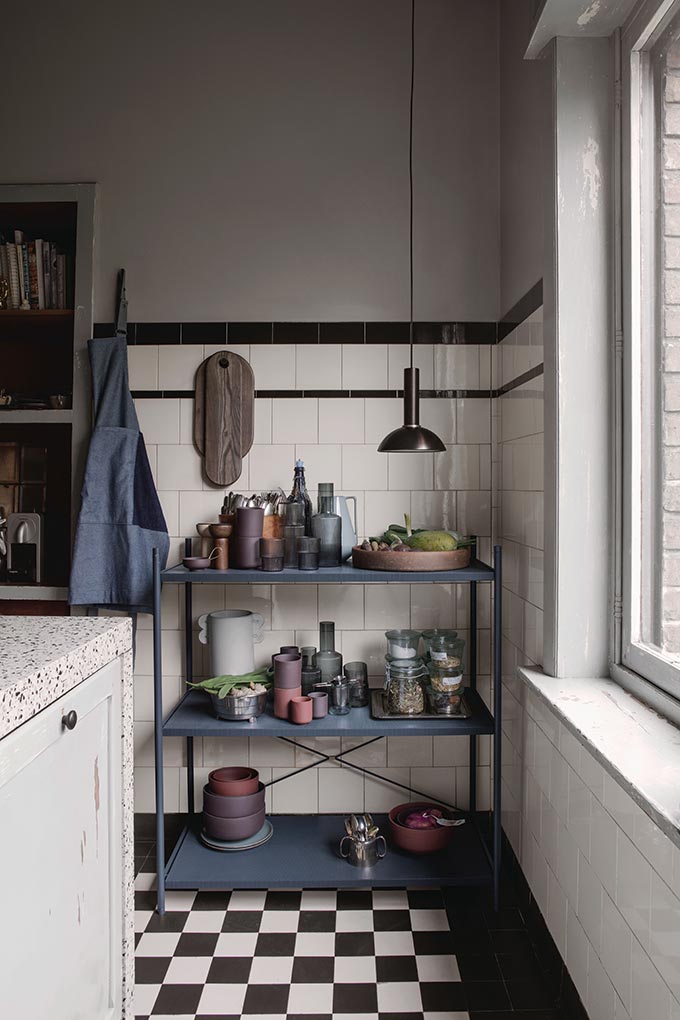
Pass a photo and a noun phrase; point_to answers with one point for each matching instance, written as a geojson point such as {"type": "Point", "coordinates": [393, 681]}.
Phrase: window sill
{"type": "Point", "coordinates": [635, 745]}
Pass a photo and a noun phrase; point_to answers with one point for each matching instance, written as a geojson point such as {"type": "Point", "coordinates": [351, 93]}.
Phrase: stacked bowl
{"type": "Point", "coordinates": [287, 681]}
{"type": "Point", "coordinates": [233, 804]}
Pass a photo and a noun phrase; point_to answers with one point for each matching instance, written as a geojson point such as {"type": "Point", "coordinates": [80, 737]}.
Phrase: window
{"type": "Point", "coordinates": [651, 390]}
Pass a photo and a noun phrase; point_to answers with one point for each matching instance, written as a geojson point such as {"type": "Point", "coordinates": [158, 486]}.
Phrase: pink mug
{"type": "Point", "coordinates": [300, 710]}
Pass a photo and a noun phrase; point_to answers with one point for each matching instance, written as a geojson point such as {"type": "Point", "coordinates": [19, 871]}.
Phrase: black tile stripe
{"type": "Point", "coordinates": [296, 332]}
{"type": "Point", "coordinates": [342, 394]}
{"type": "Point", "coordinates": [525, 307]}
{"type": "Point", "coordinates": [525, 377]}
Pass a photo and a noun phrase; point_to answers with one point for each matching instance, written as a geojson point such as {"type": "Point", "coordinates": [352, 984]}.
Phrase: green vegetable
{"type": "Point", "coordinates": [433, 541]}
{"type": "Point", "coordinates": [224, 685]}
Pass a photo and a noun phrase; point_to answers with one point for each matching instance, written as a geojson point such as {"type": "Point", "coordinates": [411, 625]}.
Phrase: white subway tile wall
{"type": "Point", "coordinates": [604, 876]}
{"type": "Point", "coordinates": [337, 439]}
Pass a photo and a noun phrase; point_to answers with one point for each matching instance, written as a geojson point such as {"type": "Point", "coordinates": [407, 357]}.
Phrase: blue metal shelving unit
{"type": "Point", "coordinates": [470, 860]}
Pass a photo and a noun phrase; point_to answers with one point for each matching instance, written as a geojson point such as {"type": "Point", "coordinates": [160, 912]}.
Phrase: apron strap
{"type": "Point", "coordinates": [121, 305]}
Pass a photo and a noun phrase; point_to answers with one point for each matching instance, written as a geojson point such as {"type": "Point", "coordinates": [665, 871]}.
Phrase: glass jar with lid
{"type": "Point", "coordinates": [405, 681]}
{"type": "Point", "coordinates": [445, 648]}
{"type": "Point", "coordinates": [402, 644]}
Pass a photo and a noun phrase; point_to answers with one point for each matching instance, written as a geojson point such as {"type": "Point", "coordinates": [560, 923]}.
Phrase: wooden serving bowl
{"type": "Point", "coordinates": [414, 560]}
{"type": "Point", "coordinates": [221, 530]}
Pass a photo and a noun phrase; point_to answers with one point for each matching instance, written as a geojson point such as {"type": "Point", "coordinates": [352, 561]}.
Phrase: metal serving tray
{"type": "Point", "coordinates": [378, 710]}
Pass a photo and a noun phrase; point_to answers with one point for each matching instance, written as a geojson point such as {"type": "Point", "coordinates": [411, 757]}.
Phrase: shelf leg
{"type": "Point", "coordinates": [497, 727]}
{"type": "Point", "coordinates": [189, 668]}
{"type": "Point", "coordinates": [158, 733]}
{"type": "Point", "coordinates": [472, 668]}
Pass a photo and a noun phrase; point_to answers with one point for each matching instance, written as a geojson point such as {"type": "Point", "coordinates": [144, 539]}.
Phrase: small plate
{"type": "Point", "coordinates": [260, 837]}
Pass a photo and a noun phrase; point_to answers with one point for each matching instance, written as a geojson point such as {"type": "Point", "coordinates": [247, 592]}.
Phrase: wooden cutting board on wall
{"type": "Point", "coordinates": [224, 415]}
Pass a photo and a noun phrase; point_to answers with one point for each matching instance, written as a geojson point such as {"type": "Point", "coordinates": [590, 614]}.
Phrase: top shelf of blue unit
{"type": "Point", "coordinates": [346, 574]}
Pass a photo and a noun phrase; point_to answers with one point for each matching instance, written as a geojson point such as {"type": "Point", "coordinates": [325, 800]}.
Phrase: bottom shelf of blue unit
{"type": "Point", "coordinates": [303, 853]}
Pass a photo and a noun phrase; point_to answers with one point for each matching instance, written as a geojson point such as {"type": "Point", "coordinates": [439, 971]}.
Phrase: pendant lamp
{"type": "Point", "coordinates": [412, 437]}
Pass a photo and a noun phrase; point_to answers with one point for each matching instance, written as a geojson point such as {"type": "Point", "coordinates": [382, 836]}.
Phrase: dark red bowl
{"type": "Point", "coordinates": [419, 841]}
{"type": "Point", "coordinates": [232, 807]}
{"type": "Point", "coordinates": [234, 828]}
{"type": "Point", "coordinates": [235, 781]}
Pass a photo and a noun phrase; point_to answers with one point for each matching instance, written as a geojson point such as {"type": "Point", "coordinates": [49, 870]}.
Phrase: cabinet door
{"type": "Point", "coordinates": [61, 858]}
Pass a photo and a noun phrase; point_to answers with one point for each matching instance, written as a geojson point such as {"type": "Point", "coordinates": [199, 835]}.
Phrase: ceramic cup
{"type": "Point", "coordinates": [271, 547]}
{"type": "Point", "coordinates": [319, 701]}
{"type": "Point", "coordinates": [249, 521]}
{"type": "Point", "coordinates": [300, 710]}
{"type": "Point", "coordinates": [282, 698]}
{"type": "Point", "coordinates": [245, 551]}
{"type": "Point", "coordinates": [287, 670]}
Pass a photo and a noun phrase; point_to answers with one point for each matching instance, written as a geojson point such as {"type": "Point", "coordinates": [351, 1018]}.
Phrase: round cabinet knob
{"type": "Point", "coordinates": [69, 720]}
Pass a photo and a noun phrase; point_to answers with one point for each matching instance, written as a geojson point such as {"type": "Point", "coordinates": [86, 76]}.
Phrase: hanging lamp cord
{"type": "Point", "coordinates": [410, 176]}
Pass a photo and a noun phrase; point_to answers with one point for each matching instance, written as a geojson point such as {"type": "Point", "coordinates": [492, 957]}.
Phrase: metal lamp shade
{"type": "Point", "coordinates": [412, 437]}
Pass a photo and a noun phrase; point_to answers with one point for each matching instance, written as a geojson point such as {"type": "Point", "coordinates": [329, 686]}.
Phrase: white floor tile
{"type": "Point", "coordinates": [204, 921]}
{"type": "Point", "coordinates": [280, 920]}
{"type": "Point", "coordinates": [390, 899]}
{"type": "Point", "coordinates": [247, 899]}
{"type": "Point", "coordinates": [178, 899]}
{"type": "Point", "coordinates": [352, 1016]}
{"type": "Point", "coordinates": [236, 944]}
{"type": "Point", "coordinates": [158, 943]}
{"type": "Point", "coordinates": [354, 920]}
{"type": "Point", "coordinates": [311, 998]}
{"type": "Point", "coordinates": [399, 997]}
{"type": "Point", "coordinates": [312, 943]}
{"type": "Point", "coordinates": [442, 1016]}
{"type": "Point", "coordinates": [437, 968]}
{"type": "Point", "coordinates": [145, 997]}
{"type": "Point", "coordinates": [394, 943]}
{"type": "Point", "coordinates": [222, 999]}
{"type": "Point", "coordinates": [188, 970]}
{"type": "Point", "coordinates": [319, 899]}
{"type": "Point", "coordinates": [271, 970]}
{"type": "Point", "coordinates": [429, 920]}
{"type": "Point", "coordinates": [353, 969]}
{"type": "Point", "coordinates": [145, 881]}
{"type": "Point", "coordinates": [142, 918]}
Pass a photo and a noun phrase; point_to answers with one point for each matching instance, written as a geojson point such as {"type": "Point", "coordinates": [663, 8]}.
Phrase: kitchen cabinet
{"type": "Point", "coordinates": [61, 860]}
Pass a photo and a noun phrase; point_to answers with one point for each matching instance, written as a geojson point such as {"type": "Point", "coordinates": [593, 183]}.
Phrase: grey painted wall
{"type": "Point", "coordinates": [526, 93]}
{"type": "Point", "coordinates": [252, 154]}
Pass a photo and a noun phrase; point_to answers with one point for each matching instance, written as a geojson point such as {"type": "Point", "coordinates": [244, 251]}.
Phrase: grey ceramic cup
{"type": "Point", "coordinates": [319, 704]}
{"type": "Point", "coordinates": [288, 670]}
{"type": "Point", "coordinates": [249, 521]}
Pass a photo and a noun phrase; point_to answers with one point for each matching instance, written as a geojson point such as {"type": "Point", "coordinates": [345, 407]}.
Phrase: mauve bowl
{"type": "Point", "coordinates": [232, 807]}
{"type": "Point", "coordinates": [234, 781]}
{"type": "Point", "coordinates": [196, 562]}
{"type": "Point", "coordinates": [233, 828]}
{"type": "Point", "coordinates": [419, 841]}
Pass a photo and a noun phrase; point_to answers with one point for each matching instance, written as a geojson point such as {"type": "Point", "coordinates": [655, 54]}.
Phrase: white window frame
{"type": "Point", "coordinates": [632, 658]}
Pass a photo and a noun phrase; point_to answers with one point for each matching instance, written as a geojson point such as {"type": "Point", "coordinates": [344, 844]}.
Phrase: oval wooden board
{"type": "Point", "coordinates": [224, 415]}
{"type": "Point", "coordinates": [410, 561]}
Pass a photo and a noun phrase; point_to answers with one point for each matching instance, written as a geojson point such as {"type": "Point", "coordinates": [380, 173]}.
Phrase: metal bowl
{"type": "Point", "coordinates": [239, 709]}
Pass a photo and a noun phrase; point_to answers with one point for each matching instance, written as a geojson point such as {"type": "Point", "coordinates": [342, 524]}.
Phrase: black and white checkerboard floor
{"type": "Point", "coordinates": [376, 954]}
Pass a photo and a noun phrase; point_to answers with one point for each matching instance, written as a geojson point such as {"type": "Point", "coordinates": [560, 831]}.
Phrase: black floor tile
{"type": "Point", "coordinates": [196, 944]}
{"type": "Point", "coordinates": [229, 970]}
{"type": "Point", "coordinates": [396, 968]}
{"type": "Point", "coordinates": [206, 899]}
{"type": "Point", "coordinates": [510, 941]}
{"type": "Point", "coordinates": [508, 918]}
{"type": "Point", "coordinates": [266, 999]}
{"type": "Point", "coordinates": [432, 943]}
{"type": "Point", "coordinates": [477, 941]}
{"type": "Point", "coordinates": [354, 943]}
{"type": "Point", "coordinates": [443, 996]}
{"type": "Point", "coordinates": [313, 970]}
{"type": "Point", "coordinates": [275, 944]}
{"type": "Point", "coordinates": [177, 999]}
{"type": "Point", "coordinates": [478, 968]}
{"type": "Point", "coordinates": [145, 900]}
{"type": "Point", "coordinates": [355, 899]}
{"type": "Point", "coordinates": [317, 920]}
{"type": "Point", "coordinates": [358, 998]}
{"type": "Point", "coordinates": [530, 994]}
{"type": "Point", "coordinates": [174, 920]}
{"type": "Point", "coordinates": [506, 1014]}
{"type": "Point", "coordinates": [486, 995]}
{"type": "Point", "coordinates": [307, 1016]}
{"type": "Point", "coordinates": [242, 920]}
{"type": "Point", "coordinates": [283, 899]}
{"type": "Point", "coordinates": [519, 966]}
{"type": "Point", "coordinates": [391, 920]}
{"type": "Point", "coordinates": [425, 899]}
{"type": "Point", "coordinates": [151, 970]}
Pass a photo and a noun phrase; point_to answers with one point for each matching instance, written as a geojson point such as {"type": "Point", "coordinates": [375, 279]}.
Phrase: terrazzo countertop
{"type": "Point", "coordinates": [43, 657]}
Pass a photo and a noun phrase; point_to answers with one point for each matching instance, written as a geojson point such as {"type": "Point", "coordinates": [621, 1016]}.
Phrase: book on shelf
{"type": "Point", "coordinates": [39, 273]}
